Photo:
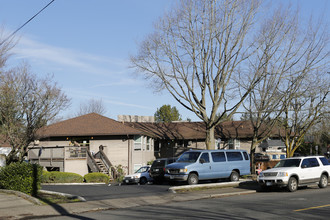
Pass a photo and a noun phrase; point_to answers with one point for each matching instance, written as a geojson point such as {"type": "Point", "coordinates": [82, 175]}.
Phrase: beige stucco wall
{"type": "Point", "coordinates": [116, 151]}
{"type": "Point", "coordinates": [78, 166]}
{"type": "Point", "coordinates": [141, 157]}
{"type": "Point", "coordinates": [245, 145]}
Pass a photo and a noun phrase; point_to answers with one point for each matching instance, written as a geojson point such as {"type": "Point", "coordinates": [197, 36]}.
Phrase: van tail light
{"type": "Point", "coordinates": [164, 169]}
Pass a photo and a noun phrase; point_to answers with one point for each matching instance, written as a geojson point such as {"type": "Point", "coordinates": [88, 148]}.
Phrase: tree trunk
{"type": "Point", "coordinates": [210, 141]}
{"type": "Point", "coordinates": [253, 150]}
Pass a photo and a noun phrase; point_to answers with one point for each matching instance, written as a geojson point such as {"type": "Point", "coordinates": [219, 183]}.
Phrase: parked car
{"type": "Point", "coordinates": [157, 169]}
{"type": "Point", "coordinates": [140, 176]}
{"type": "Point", "coordinates": [297, 171]}
{"type": "Point", "coordinates": [196, 165]}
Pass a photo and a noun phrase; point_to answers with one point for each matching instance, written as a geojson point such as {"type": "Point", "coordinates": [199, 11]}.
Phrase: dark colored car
{"type": "Point", "coordinates": [157, 169]}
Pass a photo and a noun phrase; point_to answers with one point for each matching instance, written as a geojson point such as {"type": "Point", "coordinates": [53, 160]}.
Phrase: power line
{"type": "Point", "coordinates": [12, 34]}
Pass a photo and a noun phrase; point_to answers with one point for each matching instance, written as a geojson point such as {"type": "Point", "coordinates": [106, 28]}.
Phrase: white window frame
{"type": "Point", "coordinates": [138, 142]}
{"type": "Point", "coordinates": [136, 167]}
{"type": "Point", "coordinates": [234, 144]}
{"type": "Point", "coordinates": [148, 143]}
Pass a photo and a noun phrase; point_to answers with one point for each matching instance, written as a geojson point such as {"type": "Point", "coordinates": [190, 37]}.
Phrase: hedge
{"type": "Point", "coordinates": [24, 177]}
{"type": "Point", "coordinates": [61, 177]}
{"type": "Point", "coordinates": [96, 178]}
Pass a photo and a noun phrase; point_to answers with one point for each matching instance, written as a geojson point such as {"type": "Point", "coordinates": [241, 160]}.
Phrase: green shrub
{"type": "Point", "coordinates": [61, 177]}
{"type": "Point", "coordinates": [120, 173]}
{"type": "Point", "coordinates": [96, 178]}
{"type": "Point", "coordinates": [24, 177]}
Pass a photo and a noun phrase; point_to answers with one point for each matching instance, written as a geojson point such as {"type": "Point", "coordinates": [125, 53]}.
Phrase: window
{"type": "Point", "coordinates": [324, 161]}
{"type": "Point", "coordinates": [305, 163]}
{"type": "Point", "coordinates": [288, 163]}
{"type": "Point", "coordinates": [142, 170]}
{"type": "Point", "coordinates": [234, 156]}
{"type": "Point", "coordinates": [282, 156]}
{"type": "Point", "coordinates": [78, 152]}
{"type": "Point", "coordinates": [144, 142]}
{"type": "Point", "coordinates": [234, 144]}
{"type": "Point", "coordinates": [218, 157]}
{"type": "Point", "coordinates": [137, 142]}
{"type": "Point", "coordinates": [314, 162]}
{"type": "Point", "coordinates": [148, 144]}
{"type": "Point", "coordinates": [189, 157]}
{"type": "Point", "coordinates": [246, 156]}
{"type": "Point", "coordinates": [205, 157]}
{"type": "Point", "coordinates": [136, 167]}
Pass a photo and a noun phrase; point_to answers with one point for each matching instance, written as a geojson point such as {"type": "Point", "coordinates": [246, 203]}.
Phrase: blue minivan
{"type": "Point", "coordinates": [195, 165]}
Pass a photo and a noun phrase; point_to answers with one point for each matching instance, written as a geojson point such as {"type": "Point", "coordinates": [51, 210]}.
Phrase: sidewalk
{"type": "Point", "coordinates": [15, 205]}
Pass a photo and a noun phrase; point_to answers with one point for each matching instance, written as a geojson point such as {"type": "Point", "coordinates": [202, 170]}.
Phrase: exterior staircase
{"type": "Point", "coordinates": [101, 165]}
{"type": "Point", "coordinates": [99, 162]}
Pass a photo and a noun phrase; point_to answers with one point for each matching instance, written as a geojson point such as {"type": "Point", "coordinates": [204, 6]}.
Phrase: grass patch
{"type": "Point", "coordinates": [202, 188]}
{"type": "Point", "coordinates": [56, 199]}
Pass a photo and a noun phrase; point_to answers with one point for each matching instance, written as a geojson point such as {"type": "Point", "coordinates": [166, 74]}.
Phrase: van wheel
{"type": "Point", "coordinates": [143, 180]}
{"type": "Point", "coordinates": [292, 184]}
{"type": "Point", "coordinates": [323, 181]}
{"type": "Point", "coordinates": [192, 179]}
{"type": "Point", "coordinates": [234, 176]}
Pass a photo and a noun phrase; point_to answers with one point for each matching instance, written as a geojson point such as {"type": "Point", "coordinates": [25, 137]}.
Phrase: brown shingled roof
{"type": "Point", "coordinates": [87, 125]}
{"type": "Point", "coordinates": [195, 130]}
{"type": "Point", "coordinates": [171, 130]}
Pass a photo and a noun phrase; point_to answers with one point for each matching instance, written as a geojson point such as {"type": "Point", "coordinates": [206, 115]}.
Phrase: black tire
{"type": "Point", "coordinates": [143, 180]}
{"type": "Point", "coordinates": [323, 181]}
{"type": "Point", "coordinates": [192, 179]}
{"type": "Point", "coordinates": [157, 181]}
{"type": "Point", "coordinates": [292, 184]}
{"type": "Point", "coordinates": [264, 188]}
{"type": "Point", "coordinates": [234, 176]}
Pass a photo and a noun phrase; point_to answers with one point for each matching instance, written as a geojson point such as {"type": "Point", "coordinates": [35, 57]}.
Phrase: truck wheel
{"type": "Point", "coordinates": [264, 188]}
{"type": "Point", "coordinates": [143, 180]}
{"type": "Point", "coordinates": [192, 179]}
{"type": "Point", "coordinates": [323, 181]}
{"type": "Point", "coordinates": [292, 184]}
{"type": "Point", "coordinates": [234, 176]}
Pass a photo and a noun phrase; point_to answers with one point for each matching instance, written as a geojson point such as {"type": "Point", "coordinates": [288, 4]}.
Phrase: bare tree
{"type": "Point", "coordinates": [286, 52]}
{"type": "Point", "coordinates": [303, 108]}
{"type": "Point", "coordinates": [92, 106]}
{"type": "Point", "coordinates": [5, 47]}
{"type": "Point", "coordinates": [195, 54]}
{"type": "Point", "coordinates": [27, 103]}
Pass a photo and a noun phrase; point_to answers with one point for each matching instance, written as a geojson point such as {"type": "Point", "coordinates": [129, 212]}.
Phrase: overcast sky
{"type": "Point", "coordinates": [86, 44]}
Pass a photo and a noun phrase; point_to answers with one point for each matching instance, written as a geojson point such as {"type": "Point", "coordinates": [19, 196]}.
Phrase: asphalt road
{"type": "Point", "coordinates": [306, 203]}
{"type": "Point", "coordinates": [103, 191]}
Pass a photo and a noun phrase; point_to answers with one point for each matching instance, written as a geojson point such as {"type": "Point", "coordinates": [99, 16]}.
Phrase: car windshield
{"type": "Point", "coordinates": [142, 170]}
{"type": "Point", "coordinates": [189, 157]}
{"type": "Point", "coordinates": [288, 163]}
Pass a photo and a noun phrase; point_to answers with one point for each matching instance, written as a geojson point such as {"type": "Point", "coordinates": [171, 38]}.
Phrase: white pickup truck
{"type": "Point", "coordinates": [297, 171]}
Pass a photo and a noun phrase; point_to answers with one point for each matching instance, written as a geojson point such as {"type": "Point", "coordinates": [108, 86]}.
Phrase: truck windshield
{"type": "Point", "coordinates": [288, 163]}
{"type": "Point", "coordinates": [189, 157]}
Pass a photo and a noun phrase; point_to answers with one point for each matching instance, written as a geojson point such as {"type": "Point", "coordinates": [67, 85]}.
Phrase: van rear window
{"type": "Point", "coordinates": [246, 156]}
{"type": "Point", "coordinates": [234, 156]}
{"type": "Point", "coordinates": [218, 156]}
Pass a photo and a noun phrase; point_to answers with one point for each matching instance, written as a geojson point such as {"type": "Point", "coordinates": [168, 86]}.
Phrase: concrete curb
{"type": "Point", "coordinates": [64, 184]}
{"type": "Point", "coordinates": [174, 189]}
{"type": "Point", "coordinates": [64, 194]}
